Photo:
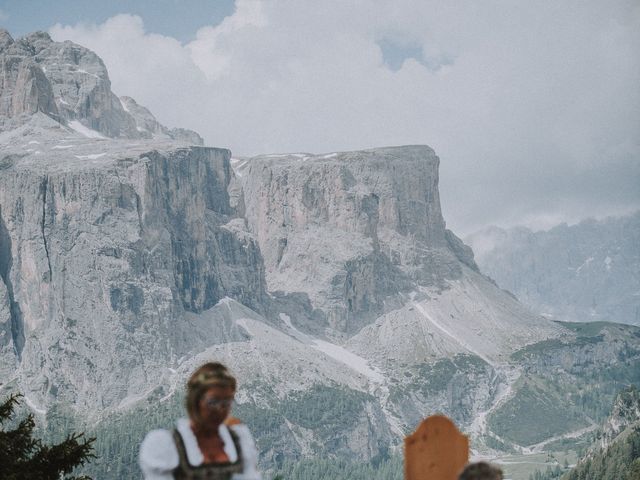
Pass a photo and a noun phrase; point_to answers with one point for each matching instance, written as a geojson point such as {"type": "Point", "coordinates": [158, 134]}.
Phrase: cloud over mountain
{"type": "Point", "coordinates": [532, 108]}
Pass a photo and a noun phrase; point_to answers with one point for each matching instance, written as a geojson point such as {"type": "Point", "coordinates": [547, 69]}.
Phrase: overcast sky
{"type": "Point", "coordinates": [532, 106]}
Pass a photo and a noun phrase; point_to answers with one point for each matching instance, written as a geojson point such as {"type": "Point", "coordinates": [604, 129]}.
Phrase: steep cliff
{"type": "Point", "coordinates": [8, 360]}
{"type": "Point", "coordinates": [70, 84]}
{"type": "Point", "coordinates": [351, 230]}
{"type": "Point", "coordinates": [102, 254]}
{"type": "Point", "coordinates": [24, 89]}
{"type": "Point", "coordinates": [616, 453]}
{"type": "Point", "coordinates": [624, 415]}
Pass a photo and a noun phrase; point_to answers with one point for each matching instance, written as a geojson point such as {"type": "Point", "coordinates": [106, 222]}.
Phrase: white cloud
{"type": "Point", "coordinates": [533, 108]}
{"type": "Point", "coordinates": [210, 50]}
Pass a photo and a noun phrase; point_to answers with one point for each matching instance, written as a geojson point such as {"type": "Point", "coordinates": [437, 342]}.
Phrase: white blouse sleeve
{"type": "Point", "coordinates": [249, 454]}
{"type": "Point", "coordinates": [158, 455]}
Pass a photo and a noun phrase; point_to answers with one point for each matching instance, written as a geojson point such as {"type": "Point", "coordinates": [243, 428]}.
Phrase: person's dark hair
{"type": "Point", "coordinates": [208, 375]}
{"type": "Point", "coordinates": [481, 471]}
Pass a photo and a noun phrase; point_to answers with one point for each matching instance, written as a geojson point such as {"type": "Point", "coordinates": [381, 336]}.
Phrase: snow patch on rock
{"type": "Point", "coordinates": [86, 131]}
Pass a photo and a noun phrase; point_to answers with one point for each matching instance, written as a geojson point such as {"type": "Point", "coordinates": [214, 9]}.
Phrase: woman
{"type": "Point", "coordinates": [208, 445]}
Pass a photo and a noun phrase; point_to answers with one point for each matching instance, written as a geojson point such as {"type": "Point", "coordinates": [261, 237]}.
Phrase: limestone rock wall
{"type": "Point", "coordinates": [24, 88]}
{"type": "Point", "coordinates": [70, 84]}
{"type": "Point", "coordinates": [352, 229]}
{"type": "Point", "coordinates": [7, 351]}
{"type": "Point", "coordinates": [149, 127]}
{"type": "Point", "coordinates": [61, 79]}
{"type": "Point", "coordinates": [81, 86]}
{"type": "Point", "coordinates": [100, 261]}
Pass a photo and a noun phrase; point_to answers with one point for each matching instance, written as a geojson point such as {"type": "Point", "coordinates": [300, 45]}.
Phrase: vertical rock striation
{"type": "Point", "coordinates": [101, 259]}
{"type": "Point", "coordinates": [351, 230]}
{"type": "Point", "coordinates": [24, 88]}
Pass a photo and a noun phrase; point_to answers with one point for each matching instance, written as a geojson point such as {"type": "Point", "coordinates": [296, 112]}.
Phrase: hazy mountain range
{"type": "Point", "coordinates": [580, 273]}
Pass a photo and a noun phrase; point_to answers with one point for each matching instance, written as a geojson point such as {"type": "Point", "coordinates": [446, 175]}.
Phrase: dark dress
{"type": "Point", "coordinates": [206, 471]}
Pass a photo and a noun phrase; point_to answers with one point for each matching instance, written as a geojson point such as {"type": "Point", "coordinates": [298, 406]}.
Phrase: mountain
{"type": "Point", "coordinates": [585, 272]}
{"type": "Point", "coordinates": [328, 283]}
{"type": "Point", "coordinates": [70, 84]}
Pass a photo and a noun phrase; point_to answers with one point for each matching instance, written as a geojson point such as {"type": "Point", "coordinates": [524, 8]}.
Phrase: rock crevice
{"type": "Point", "coordinates": [16, 326]}
{"type": "Point", "coordinates": [43, 192]}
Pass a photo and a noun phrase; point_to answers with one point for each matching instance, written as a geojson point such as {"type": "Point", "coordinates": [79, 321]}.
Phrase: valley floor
{"type": "Point", "coordinates": [520, 467]}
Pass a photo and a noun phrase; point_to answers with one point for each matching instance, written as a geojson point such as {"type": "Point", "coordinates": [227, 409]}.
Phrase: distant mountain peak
{"type": "Point", "coordinates": [70, 84]}
{"type": "Point", "coordinates": [585, 272]}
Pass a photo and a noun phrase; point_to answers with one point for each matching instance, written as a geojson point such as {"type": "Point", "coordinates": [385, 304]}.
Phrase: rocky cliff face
{"type": "Point", "coordinates": [351, 230]}
{"type": "Point", "coordinates": [70, 84]}
{"type": "Point", "coordinates": [625, 414]}
{"type": "Point", "coordinates": [148, 127]}
{"type": "Point", "coordinates": [24, 88]}
{"type": "Point", "coordinates": [8, 360]}
{"type": "Point", "coordinates": [103, 253]}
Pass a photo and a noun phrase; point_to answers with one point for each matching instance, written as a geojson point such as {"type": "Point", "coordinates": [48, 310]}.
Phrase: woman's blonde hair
{"type": "Point", "coordinates": [208, 375]}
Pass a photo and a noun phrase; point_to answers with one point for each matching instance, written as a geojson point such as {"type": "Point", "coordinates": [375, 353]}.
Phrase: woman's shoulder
{"type": "Point", "coordinates": [239, 428]}
{"type": "Point", "coordinates": [248, 449]}
{"type": "Point", "coordinates": [158, 451]}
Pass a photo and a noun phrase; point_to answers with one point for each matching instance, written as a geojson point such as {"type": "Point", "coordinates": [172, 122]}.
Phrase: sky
{"type": "Point", "coordinates": [532, 107]}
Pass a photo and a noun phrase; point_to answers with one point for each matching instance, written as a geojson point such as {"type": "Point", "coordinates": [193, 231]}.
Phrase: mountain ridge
{"type": "Point", "coordinates": [70, 84]}
{"type": "Point", "coordinates": [584, 272]}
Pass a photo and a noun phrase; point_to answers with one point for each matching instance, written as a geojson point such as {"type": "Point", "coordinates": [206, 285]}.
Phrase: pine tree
{"type": "Point", "coordinates": [24, 457]}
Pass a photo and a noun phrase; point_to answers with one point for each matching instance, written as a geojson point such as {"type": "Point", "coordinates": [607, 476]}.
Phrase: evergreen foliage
{"type": "Point", "coordinates": [549, 474]}
{"type": "Point", "coordinates": [621, 461]}
{"type": "Point", "coordinates": [325, 409]}
{"type": "Point", "coordinates": [120, 436]}
{"type": "Point", "coordinates": [536, 411]}
{"type": "Point", "coordinates": [559, 396]}
{"type": "Point", "coordinates": [24, 457]}
{"type": "Point", "coordinates": [340, 469]}
{"type": "Point", "coordinates": [434, 378]}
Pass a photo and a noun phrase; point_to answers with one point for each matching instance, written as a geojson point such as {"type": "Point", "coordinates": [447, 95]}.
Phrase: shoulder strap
{"type": "Point", "coordinates": [185, 470]}
{"type": "Point", "coordinates": [236, 443]}
{"type": "Point", "coordinates": [183, 465]}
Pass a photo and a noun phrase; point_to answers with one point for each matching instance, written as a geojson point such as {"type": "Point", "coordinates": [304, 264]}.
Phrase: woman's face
{"type": "Point", "coordinates": [215, 405]}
